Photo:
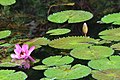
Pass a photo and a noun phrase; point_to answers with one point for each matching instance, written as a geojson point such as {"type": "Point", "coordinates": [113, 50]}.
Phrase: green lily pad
{"type": "Point", "coordinates": [5, 45]}
{"type": "Point", "coordinates": [75, 72]}
{"type": "Point", "coordinates": [111, 34]}
{"type": "Point", "coordinates": [102, 64]}
{"type": "Point", "coordinates": [72, 16]}
{"type": "Point", "coordinates": [7, 2]}
{"type": "Point", "coordinates": [109, 74]}
{"type": "Point", "coordinates": [12, 75]}
{"type": "Point", "coordinates": [112, 18]}
{"type": "Point", "coordinates": [8, 64]}
{"type": "Point", "coordinates": [40, 67]}
{"type": "Point", "coordinates": [116, 46]}
{"type": "Point", "coordinates": [4, 34]}
{"type": "Point", "coordinates": [57, 60]}
{"type": "Point", "coordinates": [72, 42]}
{"type": "Point", "coordinates": [92, 52]}
{"type": "Point", "coordinates": [58, 31]}
{"type": "Point", "coordinates": [37, 42]}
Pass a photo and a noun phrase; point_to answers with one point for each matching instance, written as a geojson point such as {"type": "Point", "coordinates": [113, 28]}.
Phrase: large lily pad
{"type": "Point", "coordinates": [4, 34]}
{"type": "Point", "coordinates": [72, 42]}
{"type": "Point", "coordinates": [75, 72]}
{"type": "Point", "coordinates": [102, 64]}
{"type": "Point", "coordinates": [111, 34]}
{"type": "Point", "coordinates": [58, 31]}
{"type": "Point", "coordinates": [109, 74]}
{"type": "Point", "coordinates": [72, 16]}
{"type": "Point", "coordinates": [92, 52]}
{"type": "Point", "coordinates": [12, 75]}
{"type": "Point", "coordinates": [112, 18]}
{"type": "Point", "coordinates": [57, 60]}
{"type": "Point", "coordinates": [37, 42]}
{"type": "Point", "coordinates": [116, 46]}
{"type": "Point", "coordinates": [7, 2]}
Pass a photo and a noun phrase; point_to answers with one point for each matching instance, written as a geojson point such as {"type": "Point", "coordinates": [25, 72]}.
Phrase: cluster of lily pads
{"type": "Point", "coordinates": [101, 59]}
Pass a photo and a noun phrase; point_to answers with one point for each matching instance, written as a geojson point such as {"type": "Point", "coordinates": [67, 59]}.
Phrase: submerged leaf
{"type": "Point", "coordinates": [11, 75]}
{"type": "Point", "coordinates": [73, 16]}
{"type": "Point", "coordinates": [4, 34]}
{"type": "Point", "coordinates": [102, 64]}
{"type": "Point", "coordinates": [112, 34]}
{"type": "Point", "coordinates": [75, 72]}
{"type": "Point", "coordinates": [57, 60]}
{"type": "Point", "coordinates": [109, 74]}
{"type": "Point", "coordinates": [112, 18]}
{"type": "Point", "coordinates": [72, 42]}
{"type": "Point", "coordinates": [58, 31]}
{"type": "Point", "coordinates": [92, 52]}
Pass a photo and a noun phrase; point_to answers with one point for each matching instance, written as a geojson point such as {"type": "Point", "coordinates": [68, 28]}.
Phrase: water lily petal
{"type": "Point", "coordinates": [31, 49]}
{"type": "Point", "coordinates": [17, 46]}
{"type": "Point", "coordinates": [14, 56]}
{"type": "Point", "coordinates": [25, 47]}
{"type": "Point", "coordinates": [17, 51]}
{"type": "Point", "coordinates": [31, 59]}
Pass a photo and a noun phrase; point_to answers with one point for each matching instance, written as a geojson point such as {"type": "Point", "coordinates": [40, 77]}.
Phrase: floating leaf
{"type": "Point", "coordinates": [40, 67]}
{"type": "Point", "coordinates": [12, 75]}
{"type": "Point", "coordinates": [58, 31]}
{"type": "Point", "coordinates": [92, 52]}
{"type": "Point", "coordinates": [75, 72]}
{"type": "Point", "coordinates": [104, 42]}
{"type": "Point", "coordinates": [5, 33]}
{"type": "Point", "coordinates": [109, 74]}
{"type": "Point", "coordinates": [47, 79]}
{"type": "Point", "coordinates": [112, 34]}
{"type": "Point", "coordinates": [37, 42]}
{"type": "Point", "coordinates": [116, 46]}
{"type": "Point", "coordinates": [8, 64]}
{"type": "Point", "coordinates": [112, 18]}
{"type": "Point", "coordinates": [7, 2]}
{"type": "Point", "coordinates": [72, 42]}
{"type": "Point", "coordinates": [57, 60]}
{"type": "Point", "coordinates": [102, 64]}
{"type": "Point", "coordinates": [73, 16]}
{"type": "Point", "coordinates": [5, 45]}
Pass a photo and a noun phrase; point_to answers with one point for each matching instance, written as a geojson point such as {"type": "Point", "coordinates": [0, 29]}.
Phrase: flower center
{"type": "Point", "coordinates": [22, 53]}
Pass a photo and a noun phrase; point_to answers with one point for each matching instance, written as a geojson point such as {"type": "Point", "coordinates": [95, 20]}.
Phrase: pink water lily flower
{"type": "Point", "coordinates": [23, 52]}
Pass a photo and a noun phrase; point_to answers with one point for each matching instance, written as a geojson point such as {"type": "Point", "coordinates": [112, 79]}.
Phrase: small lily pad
{"type": "Point", "coordinates": [73, 16]}
{"type": "Point", "coordinates": [5, 45]}
{"type": "Point", "coordinates": [102, 64]}
{"type": "Point", "coordinates": [109, 74]}
{"type": "Point", "coordinates": [75, 72]}
{"type": "Point", "coordinates": [11, 74]}
{"type": "Point", "coordinates": [111, 34]}
{"type": "Point", "coordinates": [112, 18]}
{"type": "Point", "coordinates": [92, 52]}
{"type": "Point", "coordinates": [72, 42]}
{"type": "Point", "coordinates": [8, 64]}
{"type": "Point", "coordinates": [57, 60]}
{"type": "Point", "coordinates": [116, 46]}
{"type": "Point", "coordinates": [37, 42]}
{"type": "Point", "coordinates": [40, 67]}
{"type": "Point", "coordinates": [7, 2]}
{"type": "Point", "coordinates": [5, 33]}
{"type": "Point", "coordinates": [58, 31]}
